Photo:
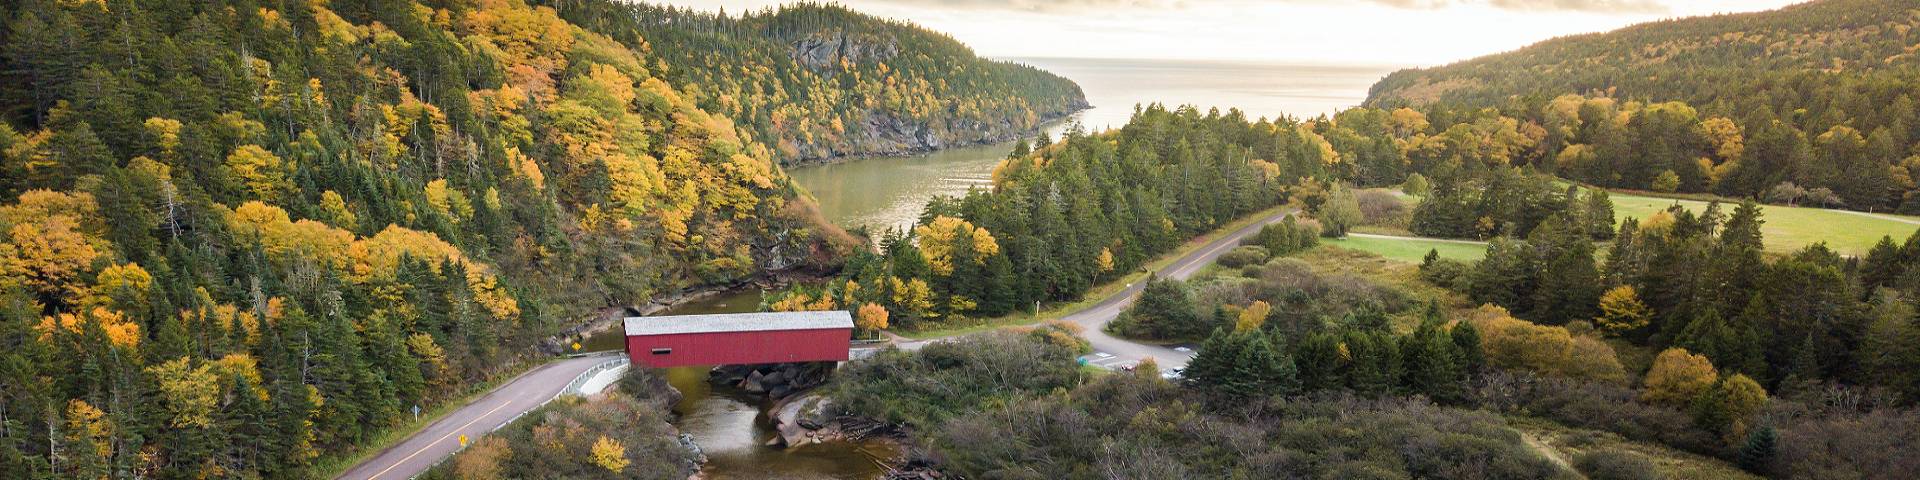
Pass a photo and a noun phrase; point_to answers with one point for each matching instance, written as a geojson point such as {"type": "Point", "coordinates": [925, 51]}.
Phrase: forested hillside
{"type": "Point", "coordinates": [1823, 95]}
{"type": "Point", "coordinates": [820, 81]}
{"type": "Point", "coordinates": [1068, 215]}
{"type": "Point", "coordinates": [239, 236]}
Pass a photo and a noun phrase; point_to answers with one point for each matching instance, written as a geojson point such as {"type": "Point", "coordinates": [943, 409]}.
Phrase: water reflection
{"type": "Point", "coordinates": [890, 192]}
{"type": "Point", "coordinates": [729, 424]}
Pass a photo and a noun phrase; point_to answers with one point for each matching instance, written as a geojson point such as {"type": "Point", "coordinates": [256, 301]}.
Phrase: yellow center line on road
{"type": "Point", "coordinates": [437, 441]}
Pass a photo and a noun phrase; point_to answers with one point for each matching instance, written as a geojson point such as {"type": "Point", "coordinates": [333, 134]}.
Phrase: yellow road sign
{"type": "Point", "coordinates": [463, 440]}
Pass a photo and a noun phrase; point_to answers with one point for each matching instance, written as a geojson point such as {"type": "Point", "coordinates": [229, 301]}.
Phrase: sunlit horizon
{"type": "Point", "coordinates": [1397, 33]}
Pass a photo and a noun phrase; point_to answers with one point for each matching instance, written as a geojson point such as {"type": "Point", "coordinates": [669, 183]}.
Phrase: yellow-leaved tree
{"type": "Point", "coordinates": [1253, 317]}
{"type": "Point", "coordinates": [189, 393]}
{"type": "Point", "coordinates": [872, 317]}
{"type": "Point", "coordinates": [941, 237]}
{"type": "Point", "coordinates": [51, 245]}
{"type": "Point", "coordinates": [89, 441]}
{"type": "Point", "coordinates": [610, 454]}
{"type": "Point", "coordinates": [1514, 343]}
{"type": "Point", "coordinates": [260, 172]}
{"type": "Point", "coordinates": [1677, 377]}
{"type": "Point", "coordinates": [1621, 311]}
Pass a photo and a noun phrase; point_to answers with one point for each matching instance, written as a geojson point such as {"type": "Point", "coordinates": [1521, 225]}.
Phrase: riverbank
{"type": "Point", "coordinates": [744, 432]}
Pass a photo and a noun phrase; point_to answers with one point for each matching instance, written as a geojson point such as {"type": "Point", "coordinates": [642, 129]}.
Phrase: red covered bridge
{"type": "Point", "coordinates": [739, 338]}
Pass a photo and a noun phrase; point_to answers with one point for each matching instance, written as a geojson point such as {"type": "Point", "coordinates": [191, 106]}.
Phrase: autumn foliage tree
{"type": "Point", "coordinates": [343, 211]}
{"type": "Point", "coordinates": [1677, 377]}
{"type": "Point", "coordinates": [872, 317]}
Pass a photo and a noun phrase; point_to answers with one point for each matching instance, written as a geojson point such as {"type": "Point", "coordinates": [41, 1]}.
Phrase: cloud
{"type": "Point", "coordinates": [1607, 6]}
{"type": "Point", "coordinates": [1043, 5]}
{"type": "Point", "coordinates": [1595, 6]}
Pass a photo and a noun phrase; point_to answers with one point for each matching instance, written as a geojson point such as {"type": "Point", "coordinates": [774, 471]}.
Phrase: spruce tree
{"type": "Point", "coordinates": [1882, 266]}
{"type": "Point", "coordinates": [1467, 339]}
{"type": "Point", "coordinates": [1214, 362]}
{"type": "Point", "coordinates": [1318, 357]}
{"type": "Point", "coordinates": [1431, 364]}
{"type": "Point", "coordinates": [1732, 347]}
{"type": "Point", "coordinates": [1757, 454]}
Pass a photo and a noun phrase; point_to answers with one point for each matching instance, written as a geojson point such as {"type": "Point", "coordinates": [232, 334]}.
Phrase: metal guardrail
{"type": "Point", "coordinates": [573, 387]}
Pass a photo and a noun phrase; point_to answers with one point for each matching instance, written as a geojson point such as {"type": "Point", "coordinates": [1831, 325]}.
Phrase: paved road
{"type": "Point", "coordinates": [428, 446]}
{"type": "Point", "coordinates": [1113, 352]}
{"type": "Point", "coordinates": [421, 451]}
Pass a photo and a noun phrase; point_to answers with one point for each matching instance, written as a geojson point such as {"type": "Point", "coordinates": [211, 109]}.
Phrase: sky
{"type": "Point", "coordinates": [1352, 32]}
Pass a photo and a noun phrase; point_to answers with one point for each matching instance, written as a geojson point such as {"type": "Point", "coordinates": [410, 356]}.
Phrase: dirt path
{"type": "Point", "coordinates": [1889, 218]}
{"type": "Point", "coordinates": [1541, 447]}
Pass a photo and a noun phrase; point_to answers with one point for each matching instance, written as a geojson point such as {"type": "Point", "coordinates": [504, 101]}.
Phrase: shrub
{"type": "Point", "coordinates": [1514, 343]}
{"type": "Point", "coordinates": [1610, 464]}
{"type": "Point", "coordinates": [1288, 236]}
{"type": "Point", "coordinates": [1164, 311]}
{"type": "Point", "coordinates": [1382, 208]}
{"type": "Point", "coordinates": [1677, 377]}
{"type": "Point", "coordinates": [945, 379]}
{"type": "Point", "coordinates": [1594, 405]}
{"type": "Point", "coordinates": [1243, 256]}
{"type": "Point", "coordinates": [625, 427]}
{"type": "Point", "coordinates": [1447, 273]}
{"type": "Point", "coordinates": [1875, 445]}
{"type": "Point", "coordinates": [1340, 213]}
{"type": "Point", "coordinates": [1132, 426]}
{"type": "Point", "coordinates": [1060, 333]}
{"type": "Point", "coordinates": [1416, 185]}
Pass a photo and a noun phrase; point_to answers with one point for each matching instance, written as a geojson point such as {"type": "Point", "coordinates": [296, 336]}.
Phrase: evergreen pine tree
{"type": "Point", "coordinates": [1431, 363]}
{"type": "Point", "coordinates": [1214, 362]}
{"type": "Point", "coordinates": [1757, 454]}
{"type": "Point", "coordinates": [1318, 357]}
{"type": "Point", "coordinates": [1467, 340]}
{"type": "Point", "coordinates": [1882, 265]}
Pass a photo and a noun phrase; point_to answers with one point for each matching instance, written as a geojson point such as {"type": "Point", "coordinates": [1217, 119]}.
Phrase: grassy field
{"type": "Point", "coordinates": [1411, 249]}
{"type": "Point", "coordinates": [1790, 228]}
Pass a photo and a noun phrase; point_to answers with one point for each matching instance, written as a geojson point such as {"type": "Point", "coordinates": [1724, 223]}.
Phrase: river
{"type": "Point", "coordinates": [890, 192]}
{"type": "Point", "coordinates": [730, 424]}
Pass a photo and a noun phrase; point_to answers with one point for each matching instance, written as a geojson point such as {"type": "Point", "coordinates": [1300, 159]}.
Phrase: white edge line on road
{"type": "Point", "coordinates": [438, 440]}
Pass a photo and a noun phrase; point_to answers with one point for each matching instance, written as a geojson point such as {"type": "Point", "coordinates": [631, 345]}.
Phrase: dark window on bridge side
{"type": "Point", "coordinates": [662, 351]}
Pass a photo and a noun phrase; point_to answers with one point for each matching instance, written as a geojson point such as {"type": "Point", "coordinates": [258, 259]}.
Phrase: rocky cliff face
{"type": "Point", "coordinates": [824, 51]}
{"type": "Point", "coordinates": [883, 133]}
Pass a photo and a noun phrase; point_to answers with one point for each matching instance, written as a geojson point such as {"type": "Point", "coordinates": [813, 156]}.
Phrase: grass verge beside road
{"type": "Point", "coordinates": [331, 466]}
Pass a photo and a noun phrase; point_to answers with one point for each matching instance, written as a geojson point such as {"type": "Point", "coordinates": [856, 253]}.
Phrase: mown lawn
{"type": "Point", "coordinates": [1411, 249]}
{"type": "Point", "coordinates": [1790, 228]}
